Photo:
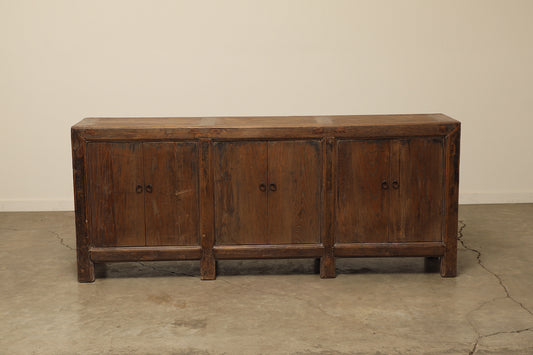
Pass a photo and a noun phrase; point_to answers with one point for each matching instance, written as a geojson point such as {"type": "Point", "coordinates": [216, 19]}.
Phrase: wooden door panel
{"type": "Point", "coordinates": [116, 210]}
{"type": "Point", "coordinates": [240, 204]}
{"type": "Point", "coordinates": [294, 208]}
{"type": "Point", "coordinates": [171, 193]}
{"type": "Point", "coordinates": [362, 211]}
{"type": "Point", "coordinates": [417, 203]}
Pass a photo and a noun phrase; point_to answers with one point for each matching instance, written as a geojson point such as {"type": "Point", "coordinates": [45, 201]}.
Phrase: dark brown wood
{"type": "Point", "coordinates": [182, 128]}
{"type": "Point", "coordinates": [83, 239]}
{"type": "Point", "coordinates": [389, 249]}
{"type": "Point", "coordinates": [159, 253]}
{"type": "Point", "coordinates": [448, 267]}
{"type": "Point", "coordinates": [268, 251]}
{"type": "Point", "coordinates": [116, 207]}
{"type": "Point", "coordinates": [363, 194]}
{"type": "Point", "coordinates": [240, 202]}
{"type": "Point", "coordinates": [207, 217]}
{"type": "Point", "coordinates": [171, 193]}
{"type": "Point", "coordinates": [327, 261]}
{"type": "Point", "coordinates": [265, 187]}
{"type": "Point", "coordinates": [417, 200]}
{"type": "Point", "coordinates": [295, 184]}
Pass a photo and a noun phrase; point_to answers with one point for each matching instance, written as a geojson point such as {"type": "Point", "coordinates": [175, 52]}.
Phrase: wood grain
{"type": "Point", "coordinates": [327, 261]}
{"type": "Point", "coordinates": [160, 253]}
{"type": "Point", "coordinates": [417, 203]}
{"type": "Point", "coordinates": [294, 169]}
{"type": "Point", "coordinates": [116, 210]}
{"type": "Point", "coordinates": [207, 217]}
{"type": "Point", "coordinates": [448, 267]}
{"type": "Point", "coordinates": [268, 251]}
{"type": "Point", "coordinates": [171, 208]}
{"type": "Point", "coordinates": [389, 249]}
{"type": "Point", "coordinates": [287, 127]}
{"type": "Point", "coordinates": [83, 238]}
{"type": "Point", "coordinates": [240, 204]}
{"type": "Point", "coordinates": [362, 213]}
{"type": "Point", "coordinates": [206, 200]}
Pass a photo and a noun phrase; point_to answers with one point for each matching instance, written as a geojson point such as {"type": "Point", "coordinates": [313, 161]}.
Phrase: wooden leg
{"type": "Point", "coordinates": [327, 267]}
{"type": "Point", "coordinates": [85, 269]}
{"type": "Point", "coordinates": [448, 264]}
{"type": "Point", "coordinates": [208, 267]}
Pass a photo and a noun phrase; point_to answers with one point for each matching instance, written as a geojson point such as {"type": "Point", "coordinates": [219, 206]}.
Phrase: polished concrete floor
{"type": "Point", "coordinates": [374, 306]}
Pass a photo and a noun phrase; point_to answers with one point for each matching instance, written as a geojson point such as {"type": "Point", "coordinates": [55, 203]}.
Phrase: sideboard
{"type": "Point", "coordinates": [213, 188]}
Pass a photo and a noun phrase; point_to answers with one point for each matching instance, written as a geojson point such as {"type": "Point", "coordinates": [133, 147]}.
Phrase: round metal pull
{"type": "Point", "coordinates": [384, 185]}
{"type": "Point", "coordinates": [273, 187]}
{"type": "Point", "coordinates": [263, 187]}
{"type": "Point", "coordinates": [139, 189]}
{"type": "Point", "coordinates": [395, 184]}
{"type": "Point", "coordinates": [149, 188]}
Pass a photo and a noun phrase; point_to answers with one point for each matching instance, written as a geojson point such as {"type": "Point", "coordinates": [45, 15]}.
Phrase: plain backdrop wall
{"type": "Point", "coordinates": [61, 61]}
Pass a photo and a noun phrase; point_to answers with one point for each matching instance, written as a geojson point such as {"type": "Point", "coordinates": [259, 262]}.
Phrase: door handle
{"type": "Point", "coordinates": [385, 185]}
{"type": "Point", "coordinates": [262, 187]}
{"type": "Point", "coordinates": [273, 187]}
{"type": "Point", "coordinates": [139, 189]}
{"type": "Point", "coordinates": [395, 185]}
{"type": "Point", "coordinates": [148, 188]}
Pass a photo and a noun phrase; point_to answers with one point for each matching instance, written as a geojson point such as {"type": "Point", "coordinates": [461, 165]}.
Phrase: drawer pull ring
{"type": "Point", "coordinates": [139, 189]}
{"type": "Point", "coordinates": [384, 185]}
{"type": "Point", "coordinates": [262, 187]}
{"type": "Point", "coordinates": [273, 187]}
{"type": "Point", "coordinates": [395, 184]}
{"type": "Point", "coordinates": [149, 188]}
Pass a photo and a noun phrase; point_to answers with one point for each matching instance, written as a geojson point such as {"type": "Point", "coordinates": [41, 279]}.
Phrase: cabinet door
{"type": "Point", "coordinates": [417, 200]}
{"type": "Point", "coordinates": [171, 193]}
{"type": "Point", "coordinates": [240, 175]}
{"type": "Point", "coordinates": [294, 203]}
{"type": "Point", "coordinates": [363, 202]}
{"type": "Point", "coordinates": [115, 202]}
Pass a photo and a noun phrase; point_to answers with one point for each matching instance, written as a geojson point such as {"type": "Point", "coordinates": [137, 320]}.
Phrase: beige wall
{"type": "Point", "coordinates": [61, 61]}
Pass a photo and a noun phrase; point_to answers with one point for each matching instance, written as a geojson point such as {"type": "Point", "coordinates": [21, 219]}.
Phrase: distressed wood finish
{"type": "Point", "coordinates": [317, 187]}
{"type": "Point", "coordinates": [207, 217]}
{"type": "Point", "coordinates": [241, 190]}
{"type": "Point", "coordinates": [171, 193]}
{"type": "Point", "coordinates": [116, 194]}
{"type": "Point", "coordinates": [417, 198]}
{"type": "Point", "coordinates": [327, 261]}
{"type": "Point", "coordinates": [83, 241]}
{"type": "Point", "coordinates": [448, 266]}
{"type": "Point", "coordinates": [362, 201]}
{"type": "Point", "coordinates": [294, 187]}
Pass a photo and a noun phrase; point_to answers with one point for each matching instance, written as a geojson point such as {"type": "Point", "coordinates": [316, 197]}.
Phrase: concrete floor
{"type": "Point", "coordinates": [374, 306]}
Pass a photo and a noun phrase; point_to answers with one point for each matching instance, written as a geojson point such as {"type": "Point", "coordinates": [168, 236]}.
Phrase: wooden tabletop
{"type": "Point", "coordinates": [162, 128]}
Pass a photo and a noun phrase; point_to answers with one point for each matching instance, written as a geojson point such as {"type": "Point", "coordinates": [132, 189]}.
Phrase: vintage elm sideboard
{"type": "Point", "coordinates": [265, 187]}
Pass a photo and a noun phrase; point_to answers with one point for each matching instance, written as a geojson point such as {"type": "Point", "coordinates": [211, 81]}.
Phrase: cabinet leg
{"type": "Point", "coordinates": [448, 264]}
{"type": "Point", "coordinates": [85, 270]}
{"type": "Point", "coordinates": [327, 267]}
{"type": "Point", "coordinates": [208, 267]}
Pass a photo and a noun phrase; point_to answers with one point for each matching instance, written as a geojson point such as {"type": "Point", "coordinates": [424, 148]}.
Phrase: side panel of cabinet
{"type": "Point", "coordinates": [362, 210]}
{"type": "Point", "coordinates": [171, 193]}
{"type": "Point", "coordinates": [417, 204]}
{"type": "Point", "coordinates": [294, 203]}
{"type": "Point", "coordinates": [115, 208]}
{"type": "Point", "coordinates": [240, 174]}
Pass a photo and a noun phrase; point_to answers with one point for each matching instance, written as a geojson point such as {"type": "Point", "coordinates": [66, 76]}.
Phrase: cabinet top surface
{"type": "Point", "coordinates": [227, 127]}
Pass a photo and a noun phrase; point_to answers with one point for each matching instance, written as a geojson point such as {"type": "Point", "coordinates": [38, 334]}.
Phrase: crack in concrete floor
{"type": "Point", "coordinates": [460, 237]}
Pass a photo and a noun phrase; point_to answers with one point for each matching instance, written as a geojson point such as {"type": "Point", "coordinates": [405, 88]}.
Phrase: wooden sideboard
{"type": "Point", "coordinates": [265, 187]}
